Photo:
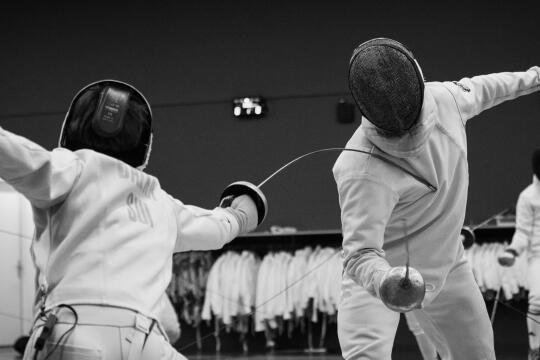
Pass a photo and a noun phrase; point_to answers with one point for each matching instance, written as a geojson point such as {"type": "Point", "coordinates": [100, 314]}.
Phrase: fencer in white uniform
{"type": "Point", "coordinates": [106, 231]}
{"type": "Point", "coordinates": [527, 237]}
{"type": "Point", "coordinates": [413, 199]}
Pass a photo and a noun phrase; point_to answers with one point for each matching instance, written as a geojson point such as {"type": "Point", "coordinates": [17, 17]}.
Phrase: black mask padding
{"type": "Point", "coordinates": [108, 120]}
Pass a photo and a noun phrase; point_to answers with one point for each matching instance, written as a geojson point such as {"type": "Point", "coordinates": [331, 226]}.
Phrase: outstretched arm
{"type": "Point", "coordinates": [366, 205]}
{"type": "Point", "coordinates": [202, 229]}
{"type": "Point", "coordinates": [43, 177]}
{"type": "Point", "coordinates": [479, 93]}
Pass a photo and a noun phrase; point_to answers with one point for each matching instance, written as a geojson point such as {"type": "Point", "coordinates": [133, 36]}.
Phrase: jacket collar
{"type": "Point", "coordinates": [412, 142]}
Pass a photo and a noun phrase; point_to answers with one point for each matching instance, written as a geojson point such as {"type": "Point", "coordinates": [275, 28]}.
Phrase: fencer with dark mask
{"type": "Point", "coordinates": [106, 231]}
{"type": "Point", "coordinates": [389, 218]}
{"type": "Point", "coordinates": [527, 239]}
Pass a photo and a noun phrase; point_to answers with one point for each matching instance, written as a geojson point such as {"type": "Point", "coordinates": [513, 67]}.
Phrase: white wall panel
{"type": "Point", "coordinates": [16, 269]}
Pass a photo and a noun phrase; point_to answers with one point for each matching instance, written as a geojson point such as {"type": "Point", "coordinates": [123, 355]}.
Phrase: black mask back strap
{"type": "Point", "coordinates": [109, 118]}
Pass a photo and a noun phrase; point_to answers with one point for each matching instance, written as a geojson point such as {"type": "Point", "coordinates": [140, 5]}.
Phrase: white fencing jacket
{"type": "Point", "coordinates": [105, 232]}
{"type": "Point", "coordinates": [383, 208]}
{"type": "Point", "coordinates": [527, 235]}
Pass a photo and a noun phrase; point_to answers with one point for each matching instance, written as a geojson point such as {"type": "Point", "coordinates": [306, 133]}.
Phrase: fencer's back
{"type": "Point", "coordinates": [110, 241]}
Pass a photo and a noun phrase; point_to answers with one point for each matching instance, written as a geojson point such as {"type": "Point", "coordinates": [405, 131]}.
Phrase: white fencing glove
{"type": "Point", "coordinates": [507, 257]}
{"type": "Point", "coordinates": [248, 202]}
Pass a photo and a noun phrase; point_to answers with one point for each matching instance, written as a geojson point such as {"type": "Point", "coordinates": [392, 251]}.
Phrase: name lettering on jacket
{"type": "Point", "coordinates": [146, 184]}
{"type": "Point", "coordinates": [136, 204]}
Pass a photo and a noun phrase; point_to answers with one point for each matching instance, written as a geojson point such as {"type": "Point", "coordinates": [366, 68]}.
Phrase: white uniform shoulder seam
{"type": "Point", "coordinates": [455, 102]}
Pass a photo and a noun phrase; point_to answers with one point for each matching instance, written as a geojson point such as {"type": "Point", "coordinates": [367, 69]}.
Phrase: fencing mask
{"type": "Point", "coordinates": [110, 117]}
{"type": "Point", "coordinates": [387, 84]}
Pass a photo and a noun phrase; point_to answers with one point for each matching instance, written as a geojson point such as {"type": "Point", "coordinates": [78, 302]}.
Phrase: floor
{"type": "Point", "coordinates": [9, 354]}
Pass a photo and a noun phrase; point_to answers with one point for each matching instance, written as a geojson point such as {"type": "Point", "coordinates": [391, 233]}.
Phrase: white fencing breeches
{"type": "Point", "coordinates": [102, 333]}
{"type": "Point", "coordinates": [456, 321]}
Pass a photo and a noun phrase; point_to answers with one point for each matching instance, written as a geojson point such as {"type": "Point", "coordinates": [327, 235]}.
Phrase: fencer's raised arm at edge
{"type": "Point", "coordinates": [479, 93]}
{"type": "Point", "coordinates": [44, 177]}
{"type": "Point", "coordinates": [202, 229]}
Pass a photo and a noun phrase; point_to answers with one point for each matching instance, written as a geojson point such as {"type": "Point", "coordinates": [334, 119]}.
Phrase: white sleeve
{"type": "Point", "coordinates": [44, 177]}
{"type": "Point", "coordinates": [479, 93]}
{"type": "Point", "coordinates": [202, 229]}
{"type": "Point", "coordinates": [366, 206]}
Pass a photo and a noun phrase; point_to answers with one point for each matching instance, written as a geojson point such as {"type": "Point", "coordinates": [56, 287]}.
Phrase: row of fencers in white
{"type": "Point", "coordinates": [490, 275]}
{"type": "Point", "coordinates": [284, 284]}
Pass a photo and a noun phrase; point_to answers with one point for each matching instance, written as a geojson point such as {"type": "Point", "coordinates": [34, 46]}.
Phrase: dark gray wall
{"type": "Point", "coordinates": [195, 51]}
